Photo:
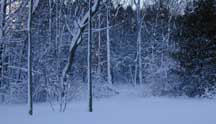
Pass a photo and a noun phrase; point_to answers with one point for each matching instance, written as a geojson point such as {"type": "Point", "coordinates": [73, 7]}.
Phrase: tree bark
{"type": "Point", "coordinates": [99, 47]}
{"type": "Point", "coordinates": [109, 73]}
{"type": "Point", "coordinates": [50, 21]}
{"type": "Point", "coordinates": [2, 32]}
{"type": "Point", "coordinates": [75, 43]}
{"type": "Point", "coordinates": [139, 38]}
{"type": "Point", "coordinates": [89, 58]}
{"type": "Point", "coordinates": [30, 99]}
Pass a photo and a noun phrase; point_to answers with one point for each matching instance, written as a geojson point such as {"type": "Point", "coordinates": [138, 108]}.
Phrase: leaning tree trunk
{"type": "Point", "coordinates": [30, 102]}
{"type": "Point", "coordinates": [74, 44]}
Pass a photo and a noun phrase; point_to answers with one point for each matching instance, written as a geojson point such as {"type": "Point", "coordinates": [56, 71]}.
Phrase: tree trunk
{"type": "Point", "coordinates": [99, 47]}
{"type": "Point", "coordinates": [50, 21]}
{"type": "Point", "coordinates": [139, 26]}
{"type": "Point", "coordinates": [2, 31]}
{"type": "Point", "coordinates": [75, 43]}
{"type": "Point", "coordinates": [30, 102]}
{"type": "Point", "coordinates": [109, 73]}
{"type": "Point", "coordinates": [77, 40]}
{"type": "Point", "coordinates": [89, 58]}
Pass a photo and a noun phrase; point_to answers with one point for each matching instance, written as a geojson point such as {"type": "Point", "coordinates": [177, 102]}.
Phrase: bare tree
{"type": "Point", "coordinates": [30, 99]}
{"type": "Point", "coordinates": [89, 58]}
{"type": "Point", "coordinates": [138, 60]}
{"type": "Point", "coordinates": [50, 20]}
{"type": "Point", "coordinates": [99, 46]}
{"type": "Point", "coordinates": [2, 33]}
{"type": "Point", "coordinates": [80, 24]}
{"type": "Point", "coordinates": [109, 73]}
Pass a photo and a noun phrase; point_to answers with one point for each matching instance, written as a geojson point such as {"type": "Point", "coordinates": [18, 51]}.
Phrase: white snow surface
{"type": "Point", "coordinates": [121, 109]}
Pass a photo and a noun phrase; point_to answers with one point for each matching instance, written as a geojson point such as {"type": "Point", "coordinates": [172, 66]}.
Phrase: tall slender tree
{"type": "Point", "coordinates": [2, 33]}
{"type": "Point", "coordinates": [99, 46]}
{"type": "Point", "coordinates": [109, 73]}
{"type": "Point", "coordinates": [50, 20]}
{"type": "Point", "coordinates": [89, 58]}
{"type": "Point", "coordinates": [139, 45]}
{"type": "Point", "coordinates": [30, 87]}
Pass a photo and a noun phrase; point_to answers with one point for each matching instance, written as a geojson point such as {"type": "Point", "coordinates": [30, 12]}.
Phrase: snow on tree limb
{"type": "Point", "coordinates": [74, 44]}
{"type": "Point", "coordinates": [77, 37]}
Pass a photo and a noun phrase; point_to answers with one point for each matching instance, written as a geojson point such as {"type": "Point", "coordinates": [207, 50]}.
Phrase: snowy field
{"type": "Point", "coordinates": [118, 110]}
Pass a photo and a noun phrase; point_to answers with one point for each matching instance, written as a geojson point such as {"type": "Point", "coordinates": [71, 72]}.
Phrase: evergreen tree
{"type": "Point", "coordinates": [197, 52]}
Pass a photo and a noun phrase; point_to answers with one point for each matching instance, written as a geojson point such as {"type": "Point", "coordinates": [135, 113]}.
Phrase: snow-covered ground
{"type": "Point", "coordinates": [118, 110]}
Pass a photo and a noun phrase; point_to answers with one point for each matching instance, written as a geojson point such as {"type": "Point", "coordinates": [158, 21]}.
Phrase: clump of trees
{"type": "Point", "coordinates": [196, 54]}
{"type": "Point", "coordinates": [164, 46]}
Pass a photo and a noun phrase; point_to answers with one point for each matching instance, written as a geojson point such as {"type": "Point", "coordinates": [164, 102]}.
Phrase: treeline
{"type": "Point", "coordinates": [167, 49]}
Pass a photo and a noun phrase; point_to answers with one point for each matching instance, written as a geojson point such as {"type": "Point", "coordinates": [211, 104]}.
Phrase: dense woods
{"type": "Point", "coordinates": [162, 47]}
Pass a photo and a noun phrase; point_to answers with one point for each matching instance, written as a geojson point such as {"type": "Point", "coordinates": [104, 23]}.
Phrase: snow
{"type": "Point", "coordinates": [118, 110]}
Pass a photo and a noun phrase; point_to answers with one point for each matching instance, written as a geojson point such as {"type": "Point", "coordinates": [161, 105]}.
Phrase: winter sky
{"type": "Point", "coordinates": [177, 5]}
